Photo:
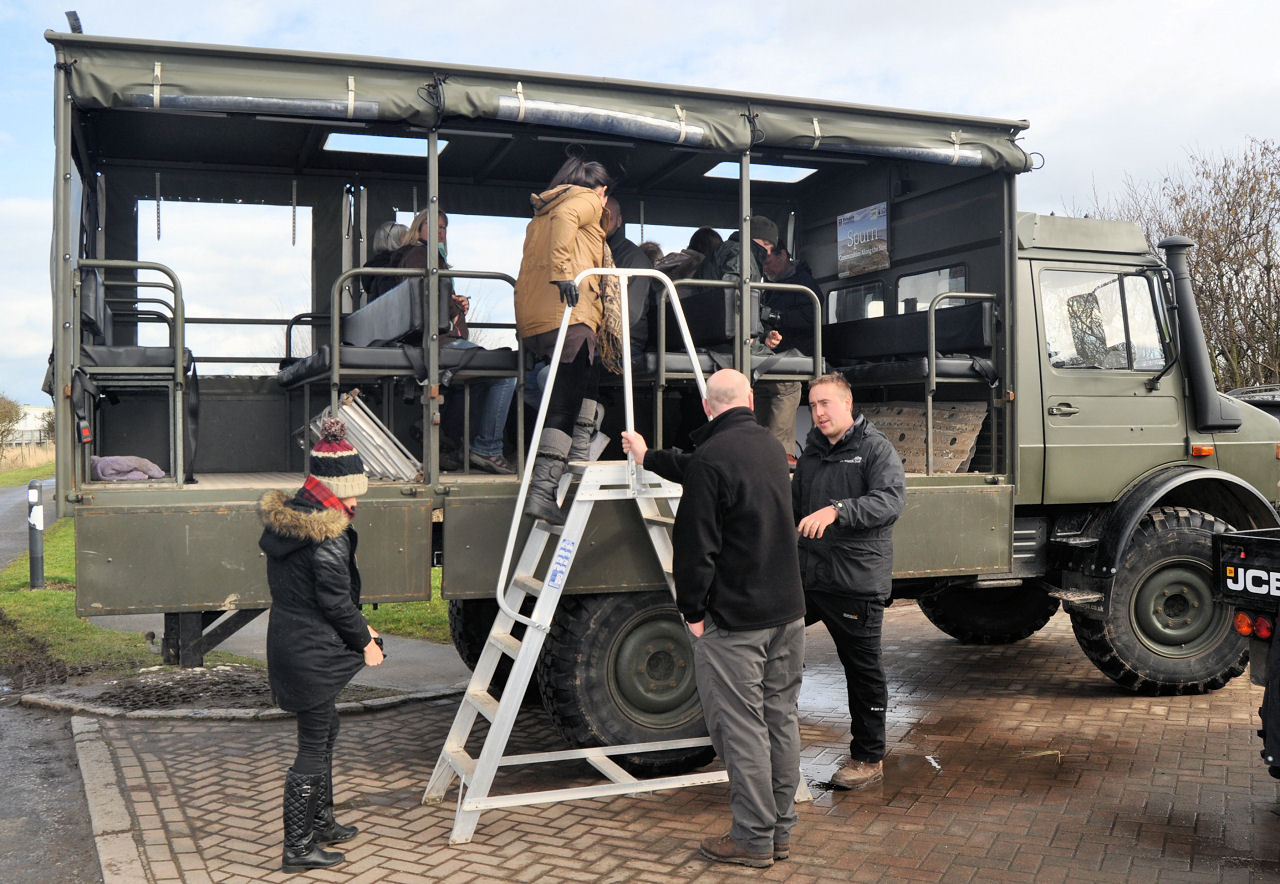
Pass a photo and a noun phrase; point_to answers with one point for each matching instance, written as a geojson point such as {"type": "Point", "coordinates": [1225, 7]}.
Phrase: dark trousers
{"type": "Point", "coordinates": [855, 626]}
{"type": "Point", "coordinates": [317, 733]}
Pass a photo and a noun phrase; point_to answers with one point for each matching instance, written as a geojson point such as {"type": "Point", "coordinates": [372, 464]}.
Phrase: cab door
{"type": "Point", "coordinates": [1106, 339]}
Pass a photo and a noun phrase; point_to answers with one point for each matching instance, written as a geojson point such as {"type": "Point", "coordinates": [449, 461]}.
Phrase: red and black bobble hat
{"type": "Point", "coordinates": [336, 463]}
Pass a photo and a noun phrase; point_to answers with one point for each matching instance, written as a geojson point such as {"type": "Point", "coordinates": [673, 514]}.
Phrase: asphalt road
{"type": "Point", "coordinates": [45, 834]}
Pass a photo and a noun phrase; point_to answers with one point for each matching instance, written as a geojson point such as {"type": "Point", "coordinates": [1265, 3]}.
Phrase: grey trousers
{"type": "Point", "coordinates": [776, 404]}
{"type": "Point", "coordinates": [749, 682]}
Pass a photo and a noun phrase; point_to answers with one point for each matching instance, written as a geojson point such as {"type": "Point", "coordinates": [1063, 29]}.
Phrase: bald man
{"type": "Point", "coordinates": [737, 579]}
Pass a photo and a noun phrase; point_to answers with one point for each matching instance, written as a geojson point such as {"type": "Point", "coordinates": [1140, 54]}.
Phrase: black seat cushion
{"type": "Point", "coordinates": [899, 371]}
{"type": "Point", "coordinates": [395, 360]}
{"type": "Point", "coordinates": [680, 363]}
{"type": "Point", "coordinates": [98, 358]}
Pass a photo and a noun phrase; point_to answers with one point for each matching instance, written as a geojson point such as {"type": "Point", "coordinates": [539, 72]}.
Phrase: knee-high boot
{"type": "Point", "coordinates": [327, 829]}
{"type": "Point", "coordinates": [541, 501]}
{"type": "Point", "coordinates": [301, 852]}
{"type": "Point", "coordinates": [588, 441]}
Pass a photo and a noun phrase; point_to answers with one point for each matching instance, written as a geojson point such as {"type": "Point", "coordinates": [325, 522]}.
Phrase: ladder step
{"type": "Point", "coordinates": [527, 584]}
{"type": "Point", "coordinates": [659, 519]}
{"type": "Point", "coordinates": [505, 642]}
{"type": "Point", "coordinates": [483, 701]}
{"type": "Point", "coordinates": [462, 762]}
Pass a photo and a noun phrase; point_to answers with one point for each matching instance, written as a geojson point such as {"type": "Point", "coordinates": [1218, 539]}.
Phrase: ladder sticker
{"type": "Point", "coordinates": [559, 569]}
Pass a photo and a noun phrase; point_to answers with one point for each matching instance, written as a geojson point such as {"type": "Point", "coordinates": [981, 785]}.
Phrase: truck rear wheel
{"type": "Point", "coordinates": [1163, 632]}
{"type": "Point", "coordinates": [996, 616]}
{"type": "Point", "coordinates": [618, 668]}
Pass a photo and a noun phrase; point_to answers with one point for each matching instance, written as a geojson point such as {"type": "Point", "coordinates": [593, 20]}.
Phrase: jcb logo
{"type": "Point", "coordinates": [1253, 580]}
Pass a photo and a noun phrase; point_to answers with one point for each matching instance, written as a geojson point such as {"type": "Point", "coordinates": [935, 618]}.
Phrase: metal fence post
{"type": "Point", "coordinates": [35, 532]}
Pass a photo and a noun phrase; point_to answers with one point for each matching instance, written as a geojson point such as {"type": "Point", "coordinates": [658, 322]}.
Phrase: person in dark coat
{"type": "Point", "coordinates": [795, 309]}
{"type": "Point", "coordinates": [848, 490]}
{"type": "Point", "coordinates": [317, 639]}
{"type": "Point", "coordinates": [738, 587]}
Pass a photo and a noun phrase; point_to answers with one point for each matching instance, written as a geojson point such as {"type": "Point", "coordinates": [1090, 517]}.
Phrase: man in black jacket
{"type": "Point", "coordinates": [738, 588]}
{"type": "Point", "coordinates": [848, 490]}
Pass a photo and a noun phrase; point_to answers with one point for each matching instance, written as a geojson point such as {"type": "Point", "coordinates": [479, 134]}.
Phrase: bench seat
{"type": "Point", "coordinates": [902, 371]}
{"type": "Point", "coordinates": [99, 357]}
{"type": "Point", "coordinates": [382, 361]}
{"type": "Point", "coordinates": [680, 363]}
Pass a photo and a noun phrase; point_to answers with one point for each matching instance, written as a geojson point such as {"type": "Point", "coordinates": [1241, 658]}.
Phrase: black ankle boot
{"type": "Point", "coordinates": [328, 830]}
{"type": "Point", "coordinates": [301, 852]}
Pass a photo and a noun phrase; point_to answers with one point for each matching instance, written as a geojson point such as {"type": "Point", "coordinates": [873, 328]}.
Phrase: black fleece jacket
{"type": "Point", "coordinates": [735, 541]}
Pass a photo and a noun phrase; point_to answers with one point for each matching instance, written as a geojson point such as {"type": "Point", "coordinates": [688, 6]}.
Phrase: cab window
{"type": "Point", "coordinates": [1097, 320]}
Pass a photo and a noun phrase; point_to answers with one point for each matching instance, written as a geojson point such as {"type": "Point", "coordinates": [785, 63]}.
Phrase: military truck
{"type": "Point", "coordinates": [1045, 378]}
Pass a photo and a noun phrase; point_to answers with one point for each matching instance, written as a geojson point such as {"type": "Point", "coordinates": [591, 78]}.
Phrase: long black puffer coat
{"type": "Point", "coordinates": [317, 635]}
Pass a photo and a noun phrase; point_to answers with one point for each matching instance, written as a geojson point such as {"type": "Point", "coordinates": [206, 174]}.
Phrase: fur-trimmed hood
{"type": "Point", "coordinates": [297, 520]}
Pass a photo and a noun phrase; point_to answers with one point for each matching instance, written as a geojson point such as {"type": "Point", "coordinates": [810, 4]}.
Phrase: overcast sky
{"type": "Point", "coordinates": [1110, 88]}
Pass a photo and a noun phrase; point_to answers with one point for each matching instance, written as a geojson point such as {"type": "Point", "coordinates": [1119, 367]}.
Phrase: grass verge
{"type": "Point", "coordinates": [428, 621]}
{"type": "Point", "coordinates": [23, 475]}
{"type": "Point", "coordinates": [39, 629]}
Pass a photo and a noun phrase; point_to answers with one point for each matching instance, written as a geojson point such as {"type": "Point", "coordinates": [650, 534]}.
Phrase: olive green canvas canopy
{"type": "Point", "coordinates": [420, 96]}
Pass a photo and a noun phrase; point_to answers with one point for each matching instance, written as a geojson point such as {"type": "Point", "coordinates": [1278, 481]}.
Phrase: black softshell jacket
{"type": "Point", "coordinates": [861, 475]}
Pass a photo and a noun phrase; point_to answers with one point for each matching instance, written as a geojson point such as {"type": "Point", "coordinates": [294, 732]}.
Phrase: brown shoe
{"type": "Point", "coordinates": [725, 850]}
{"type": "Point", "coordinates": [858, 774]}
{"type": "Point", "coordinates": [781, 849]}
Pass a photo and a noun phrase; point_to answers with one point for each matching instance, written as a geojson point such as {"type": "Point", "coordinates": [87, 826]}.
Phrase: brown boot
{"type": "Point", "coordinates": [725, 850]}
{"type": "Point", "coordinates": [858, 774]}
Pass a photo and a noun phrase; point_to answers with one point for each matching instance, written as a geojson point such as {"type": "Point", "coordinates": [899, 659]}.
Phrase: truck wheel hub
{"type": "Point", "coordinates": [1173, 613]}
{"type": "Point", "coordinates": [651, 675]}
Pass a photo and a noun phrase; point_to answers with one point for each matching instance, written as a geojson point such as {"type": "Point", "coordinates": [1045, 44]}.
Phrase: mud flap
{"type": "Point", "coordinates": [1269, 712]}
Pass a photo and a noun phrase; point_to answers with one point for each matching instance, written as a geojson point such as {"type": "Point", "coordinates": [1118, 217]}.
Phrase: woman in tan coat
{"type": "Point", "coordinates": [565, 237]}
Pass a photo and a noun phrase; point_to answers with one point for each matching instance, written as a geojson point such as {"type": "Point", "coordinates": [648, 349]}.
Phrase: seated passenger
{"type": "Point", "coordinates": [490, 399]}
{"type": "Point", "coordinates": [794, 309]}
{"type": "Point", "coordinates": [386, 239]}
{"type": "Point", "coordinates": [640, 291]}
{"type": "Point", "coordinates": [705, 241]}
{"type": "Point", "coordinates": [775, 401]}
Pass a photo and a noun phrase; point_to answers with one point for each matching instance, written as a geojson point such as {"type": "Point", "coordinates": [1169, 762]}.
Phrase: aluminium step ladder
{"type": "Point", "coordinates": [657, 501]}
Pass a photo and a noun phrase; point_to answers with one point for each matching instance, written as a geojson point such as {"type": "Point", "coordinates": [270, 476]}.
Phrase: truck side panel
{"type": "Point", "coordinates": [153, 559]}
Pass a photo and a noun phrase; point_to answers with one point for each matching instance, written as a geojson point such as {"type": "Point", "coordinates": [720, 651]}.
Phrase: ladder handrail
{"type": "Point", "coordinates": [624, 275]}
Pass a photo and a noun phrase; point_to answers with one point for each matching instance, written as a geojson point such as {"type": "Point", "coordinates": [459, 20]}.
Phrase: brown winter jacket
{"type": "Point", "coordinates": [563, 239]}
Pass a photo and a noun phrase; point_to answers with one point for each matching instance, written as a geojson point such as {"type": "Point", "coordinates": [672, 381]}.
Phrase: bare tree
{"type": "Point", "coordinates": [47, 426]}
{"type": "Point", "coordinates": [1230, 205]}
{"type": "Point", "coordinates": [10, 416]}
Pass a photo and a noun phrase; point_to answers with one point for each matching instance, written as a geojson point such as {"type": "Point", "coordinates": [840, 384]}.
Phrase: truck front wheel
{"type": "Point", "coordinates": [618, 668]}
{"type": "Point", "coordinates": [1163, 632]}
{"type": "Point", "coordinates": [994, 616]}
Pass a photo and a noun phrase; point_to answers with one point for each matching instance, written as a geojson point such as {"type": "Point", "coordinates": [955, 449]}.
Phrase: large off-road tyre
{"type": "Point", "coordinates": [618, 668]}
{"type": "Point", "coordinates": [1163, 632]}
{"type": "Point", "coordinates": [994, 616]}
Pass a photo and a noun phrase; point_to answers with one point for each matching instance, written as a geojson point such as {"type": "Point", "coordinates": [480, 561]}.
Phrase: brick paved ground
{"type": "Point", "coordinates": [1019, 763]}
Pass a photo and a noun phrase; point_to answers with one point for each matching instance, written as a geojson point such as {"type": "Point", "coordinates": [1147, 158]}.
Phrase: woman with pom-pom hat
{"type": "Point", "coordinates": [317, 639]}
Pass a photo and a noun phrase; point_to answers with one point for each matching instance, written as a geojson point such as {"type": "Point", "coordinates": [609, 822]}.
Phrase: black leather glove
{"type": "Point", "coordinates": [568, 291]}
